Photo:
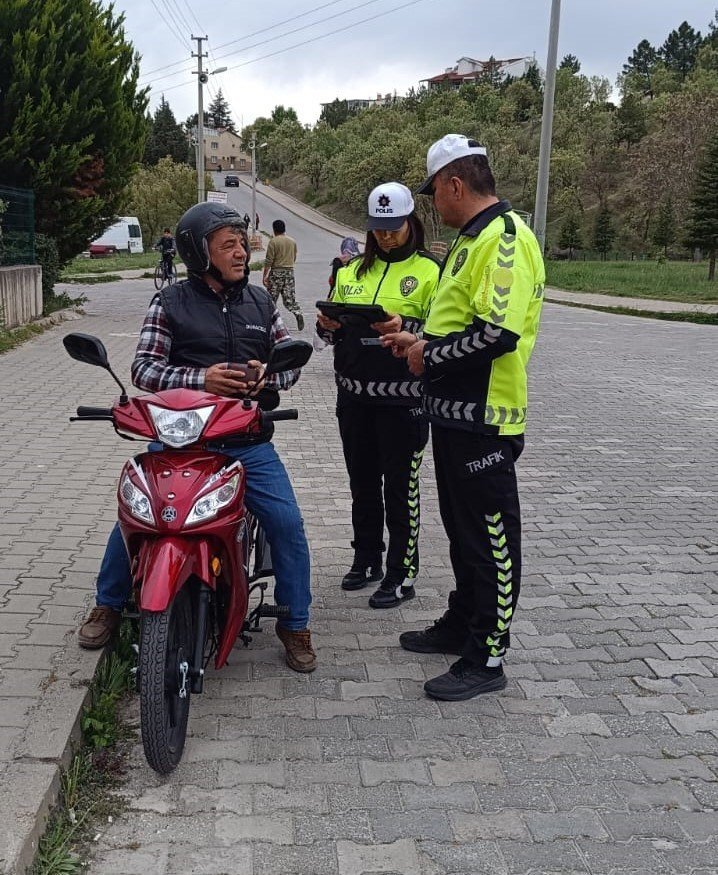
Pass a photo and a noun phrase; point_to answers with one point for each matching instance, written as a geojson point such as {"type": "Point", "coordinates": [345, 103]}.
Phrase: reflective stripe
{"type": "Point", "coordinates": [500, 298]}
{"type": "Point", "coordinates": [457, 349]}
{"type": "Point", "coordinates": [460, 410]}
{"type": "Point", "coordinates": [504, 587]}
{"type": "Point", "coordinates": [410, 563]}
{"type": "Point", "coordinates": [502, 415]}
{"type": "Point", "coordinates": [397, 389]}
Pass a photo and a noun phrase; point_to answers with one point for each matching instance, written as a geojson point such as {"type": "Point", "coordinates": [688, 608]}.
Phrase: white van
{"type": "Point", "coordinates": [124, 236]}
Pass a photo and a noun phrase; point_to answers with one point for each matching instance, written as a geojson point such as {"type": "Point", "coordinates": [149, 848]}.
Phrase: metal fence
{"type": "Point", "coordinates": [17, 225]}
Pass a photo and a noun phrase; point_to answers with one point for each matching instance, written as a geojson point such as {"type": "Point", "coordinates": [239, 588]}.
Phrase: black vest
{"type": "Point", "coordinates": [208, 328]}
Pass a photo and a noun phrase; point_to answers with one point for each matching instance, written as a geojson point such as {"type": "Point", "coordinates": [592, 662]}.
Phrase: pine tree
{"type": "Point", "coordinates": [491, 74]}
{"type": "Point", "coordinates": [533, 77]}
{"type": "Point", "coordinates": [640, 67]}
{"type": "Point", "coordinates": [680, 49]}
{"type": "Point", "coordinates": [702, 226]}
{"type": "Point", "coordinates": [166, 137]}
{"type": "Point", "coordinates": [664, 230]}
{"type": "Point", "coordinates": [570, 62]}
{"type": "Point", "coordinates": [219, 114]}
{"type": "Point", "coordinates": [570, 237]}
{"type": "Point", "coordinates": [603, 232]}
{"type": "Point", "coordinates": [72, 117]}
{"type": "Point", "coordinates": [629, 120]}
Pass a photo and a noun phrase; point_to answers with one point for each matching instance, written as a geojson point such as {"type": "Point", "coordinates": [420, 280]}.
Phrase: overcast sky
{"type": "Point", "coordinates": [389, 53]}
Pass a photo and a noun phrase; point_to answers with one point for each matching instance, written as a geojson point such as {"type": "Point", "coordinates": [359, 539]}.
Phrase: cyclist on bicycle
{"type": "Point", "coordinates": [166, 245]}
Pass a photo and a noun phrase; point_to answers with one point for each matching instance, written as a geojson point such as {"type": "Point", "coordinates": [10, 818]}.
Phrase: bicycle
{"type": "Point", "coordinates": [161, 276]}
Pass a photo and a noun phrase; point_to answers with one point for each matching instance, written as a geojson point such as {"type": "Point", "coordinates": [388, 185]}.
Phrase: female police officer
{"type": "Point", "coordinates": [382, 428]}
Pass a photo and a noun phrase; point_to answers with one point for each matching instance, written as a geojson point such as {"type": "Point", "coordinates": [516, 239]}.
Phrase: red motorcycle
{"type": "Point", "coordinates": [196, 553]}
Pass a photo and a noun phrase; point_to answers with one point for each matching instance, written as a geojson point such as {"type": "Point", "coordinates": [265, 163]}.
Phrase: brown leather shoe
{"type": "Point", "coordinates": [300, 653]}
{"type": "Point", "coordinates": [101, 624]}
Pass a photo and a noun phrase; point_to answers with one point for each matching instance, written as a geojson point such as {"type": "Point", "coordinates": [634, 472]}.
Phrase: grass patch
{"type": "Point", "coordinates": [667, 281]}
{"type": "Point", "coordinates": [111, 264]}
{"type": "Point", "coordinates": [680, 316]}
{"type": "Point", "coordinates": [92, 280]}
{"type": "Point", "coordinates": [88, 794]}
{"type": "Point", "coordinates": [12, 337]}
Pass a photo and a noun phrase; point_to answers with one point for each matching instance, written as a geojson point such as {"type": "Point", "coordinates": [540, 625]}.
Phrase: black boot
{"type": "Point", "coordinates": [439, 638]}
{"type": "Point", "coordinates": [392, 592]}
{"type": "Point", "coordinates": [361, 574]}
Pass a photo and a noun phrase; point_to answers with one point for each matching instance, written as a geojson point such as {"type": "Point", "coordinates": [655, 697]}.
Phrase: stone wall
{"type": "Point", "coordinates": [20, 294]}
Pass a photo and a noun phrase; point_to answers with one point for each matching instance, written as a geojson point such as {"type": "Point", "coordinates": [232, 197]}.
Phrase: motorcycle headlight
{"type": "Point", "coordinates": [177, 428]}
{"type": "Point", "coordinates": [210, 504]}
{"type": "Point", "coordinates": [136, 501]}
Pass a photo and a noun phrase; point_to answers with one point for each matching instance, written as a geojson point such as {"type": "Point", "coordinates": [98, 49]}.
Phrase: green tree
{"type": "Point", "coordinates": [532, 77]}
{"type": "Point", "coordinates": [603, 232]}
{"type": "Point", "coordinates": [702, 226]}
{"type": "Point", "coordinates": [664, 230]}
{"type": "Point", "coordinates": [680, 50]}
{"type": "Point", "coordinates": [218, 113]}
{"type": "Point", "coordinates": [158, 195]}
{"type": "Point", "coordinates": [639, 69]}
{"type": "Point", "coordinates": [570, 62]}
{"type": "Point", "coordinates": [335, 113]}
{"type": "Point", "coordinates": [166, 137]}
{"type": "Point", "coordinates": [491, 74]}
{"type": "Point", "coordinates": [570, 236]}
{"type": "Point", "coordinates": [72, 117]}
{"type": "Point", "coordinates": [284, 114]}
{"type": "Point", "coordinates": [629, 120]}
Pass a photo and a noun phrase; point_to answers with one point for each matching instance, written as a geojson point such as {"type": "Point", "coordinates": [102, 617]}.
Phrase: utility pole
{"type": "Point", "coordinates": [202, 78]}
{"type": "Point", "coordinates": [546, 127]}
{"type": "Point", "coordinates": [253, 147]}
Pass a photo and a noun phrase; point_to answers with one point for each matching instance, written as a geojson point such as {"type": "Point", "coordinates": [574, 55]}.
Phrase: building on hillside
{"type": "Point", "coordinates": [222, 149]}
{"type": "Point", "coordinates": [469, 70]}
{"type": "Point", "coordinates": [355, 104]}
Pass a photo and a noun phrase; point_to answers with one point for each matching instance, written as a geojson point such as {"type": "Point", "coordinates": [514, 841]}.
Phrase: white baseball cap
{"type": "Point", "coordinates": [388, 206]}
{"type": "Point", "coordinates": [443, 152]}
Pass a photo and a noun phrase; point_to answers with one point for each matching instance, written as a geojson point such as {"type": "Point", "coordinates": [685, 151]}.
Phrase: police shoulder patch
{"type": "Point", "coordinates": [460, 260]}
{"type": "Point", "coordinates": [408, 285]}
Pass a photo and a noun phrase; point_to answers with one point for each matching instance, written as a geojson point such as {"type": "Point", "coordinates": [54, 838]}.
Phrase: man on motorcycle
{"type": "Point", "coordinates": [192, 332]}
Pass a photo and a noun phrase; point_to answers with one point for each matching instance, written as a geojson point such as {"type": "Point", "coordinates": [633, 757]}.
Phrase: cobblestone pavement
{"type": "Point", "coordinates": [601, 755]}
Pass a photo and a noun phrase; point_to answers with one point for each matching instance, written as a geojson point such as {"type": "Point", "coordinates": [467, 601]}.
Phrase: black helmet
{"type": "Point", "coordinates": [196, 225]}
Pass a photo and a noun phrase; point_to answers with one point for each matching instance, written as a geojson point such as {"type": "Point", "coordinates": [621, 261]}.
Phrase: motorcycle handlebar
{"type": "Point", "coordinates": [105, 412]}
{"type": "Point", "coordinates": [277, 415]}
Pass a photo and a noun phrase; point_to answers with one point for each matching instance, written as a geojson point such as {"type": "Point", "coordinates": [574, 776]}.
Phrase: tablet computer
{"type": "Point", "coordinates": [351, 312]}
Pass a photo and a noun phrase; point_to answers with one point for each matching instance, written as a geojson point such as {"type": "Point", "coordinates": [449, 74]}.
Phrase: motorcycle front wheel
{"type": "Point", "coordinates": [166, 646]}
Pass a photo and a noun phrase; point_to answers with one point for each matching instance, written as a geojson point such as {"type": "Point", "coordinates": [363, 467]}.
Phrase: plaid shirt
{"type": "Point", "coordinates": [152, 372]}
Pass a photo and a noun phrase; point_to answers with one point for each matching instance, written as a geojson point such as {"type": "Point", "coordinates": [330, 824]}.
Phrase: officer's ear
{"type": "Point", "coordinates": [456, 186]}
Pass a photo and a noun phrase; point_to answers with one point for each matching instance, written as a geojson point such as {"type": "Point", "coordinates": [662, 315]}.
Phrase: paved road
{"type": "Point", "coordinates": [600, 757]}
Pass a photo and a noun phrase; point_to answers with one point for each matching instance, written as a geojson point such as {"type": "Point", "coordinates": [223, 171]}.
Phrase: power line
{"type": "Point", "coordinates": [273, 38]}
{"type": "Point", "coordinates": [168, 20]}
{"type": "Point", "coordinates": [248, 36]}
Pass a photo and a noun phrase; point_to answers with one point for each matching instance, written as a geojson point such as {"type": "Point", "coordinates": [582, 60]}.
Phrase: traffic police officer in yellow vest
{"type": "Point", "coordinates": [477, 341]}
{"type": "Point", "coordinates": [382, 427]}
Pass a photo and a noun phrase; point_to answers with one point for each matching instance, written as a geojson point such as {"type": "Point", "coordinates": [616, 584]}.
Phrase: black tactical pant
{"type": "Point", "coordinates": [383, 447]}
{"type": "Point", "coordinates": [479, 505]}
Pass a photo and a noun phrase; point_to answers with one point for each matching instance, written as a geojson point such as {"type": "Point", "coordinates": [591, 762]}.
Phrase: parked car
{"type": "Point", "coordinates": [230, 179]}
{"type": "Point", "coordinates": [124, 236]}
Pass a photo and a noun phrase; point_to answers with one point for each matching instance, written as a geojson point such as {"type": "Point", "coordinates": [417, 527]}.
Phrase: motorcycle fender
{"type": "Point", "coordinates": [165, 564]}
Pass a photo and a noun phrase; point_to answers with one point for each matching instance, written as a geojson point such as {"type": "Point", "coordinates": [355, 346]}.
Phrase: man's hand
{"type": "Point", "coordinates": [399, 342]}
{"type": "Point", "coordinates": [415, 358]}
{"type": "Point", "coordinates": [231, 383]}
{"type": "Point", "coordinates": [391, 326]}
{"type": "Point", "coordinates": [326, 323]}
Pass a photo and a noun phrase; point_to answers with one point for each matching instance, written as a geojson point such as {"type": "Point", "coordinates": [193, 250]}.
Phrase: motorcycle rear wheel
{"type": "Point", "coordinates": [166, 645]}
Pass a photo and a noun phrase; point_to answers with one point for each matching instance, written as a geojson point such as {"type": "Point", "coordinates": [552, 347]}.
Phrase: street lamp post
{"type": "Point", "coordinates": [546, 127]}
{"type": "Point", "coordinates": [202, 79]}
{"type": "Point", "coordinates": [253, 147]}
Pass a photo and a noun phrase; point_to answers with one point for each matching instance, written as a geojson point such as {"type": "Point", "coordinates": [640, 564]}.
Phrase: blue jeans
{"type": "Point", "coordinates": [270, 497]}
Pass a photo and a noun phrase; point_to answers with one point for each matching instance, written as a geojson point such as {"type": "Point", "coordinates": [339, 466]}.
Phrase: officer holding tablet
{"type": "Point", "coordinates": [382, 427]}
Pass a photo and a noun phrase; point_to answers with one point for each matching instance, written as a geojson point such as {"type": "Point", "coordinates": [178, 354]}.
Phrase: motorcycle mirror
{"type": "Point", "coordinates": [91, 350]}
{"type": "Point", "coordinates": [289, 355]}
{"type": "Point", "coordinates": [86, 348]}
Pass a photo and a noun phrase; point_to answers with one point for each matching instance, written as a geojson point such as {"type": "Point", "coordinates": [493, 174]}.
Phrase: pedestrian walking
{"type": "Point", "coordinates": [278, 276]}
{"type": "Point", "coordinates": [477, 342]}
{"type": "Point", "coordinates": [256, 221]}
{"type": "Point", "coordinates": [382, 428]}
